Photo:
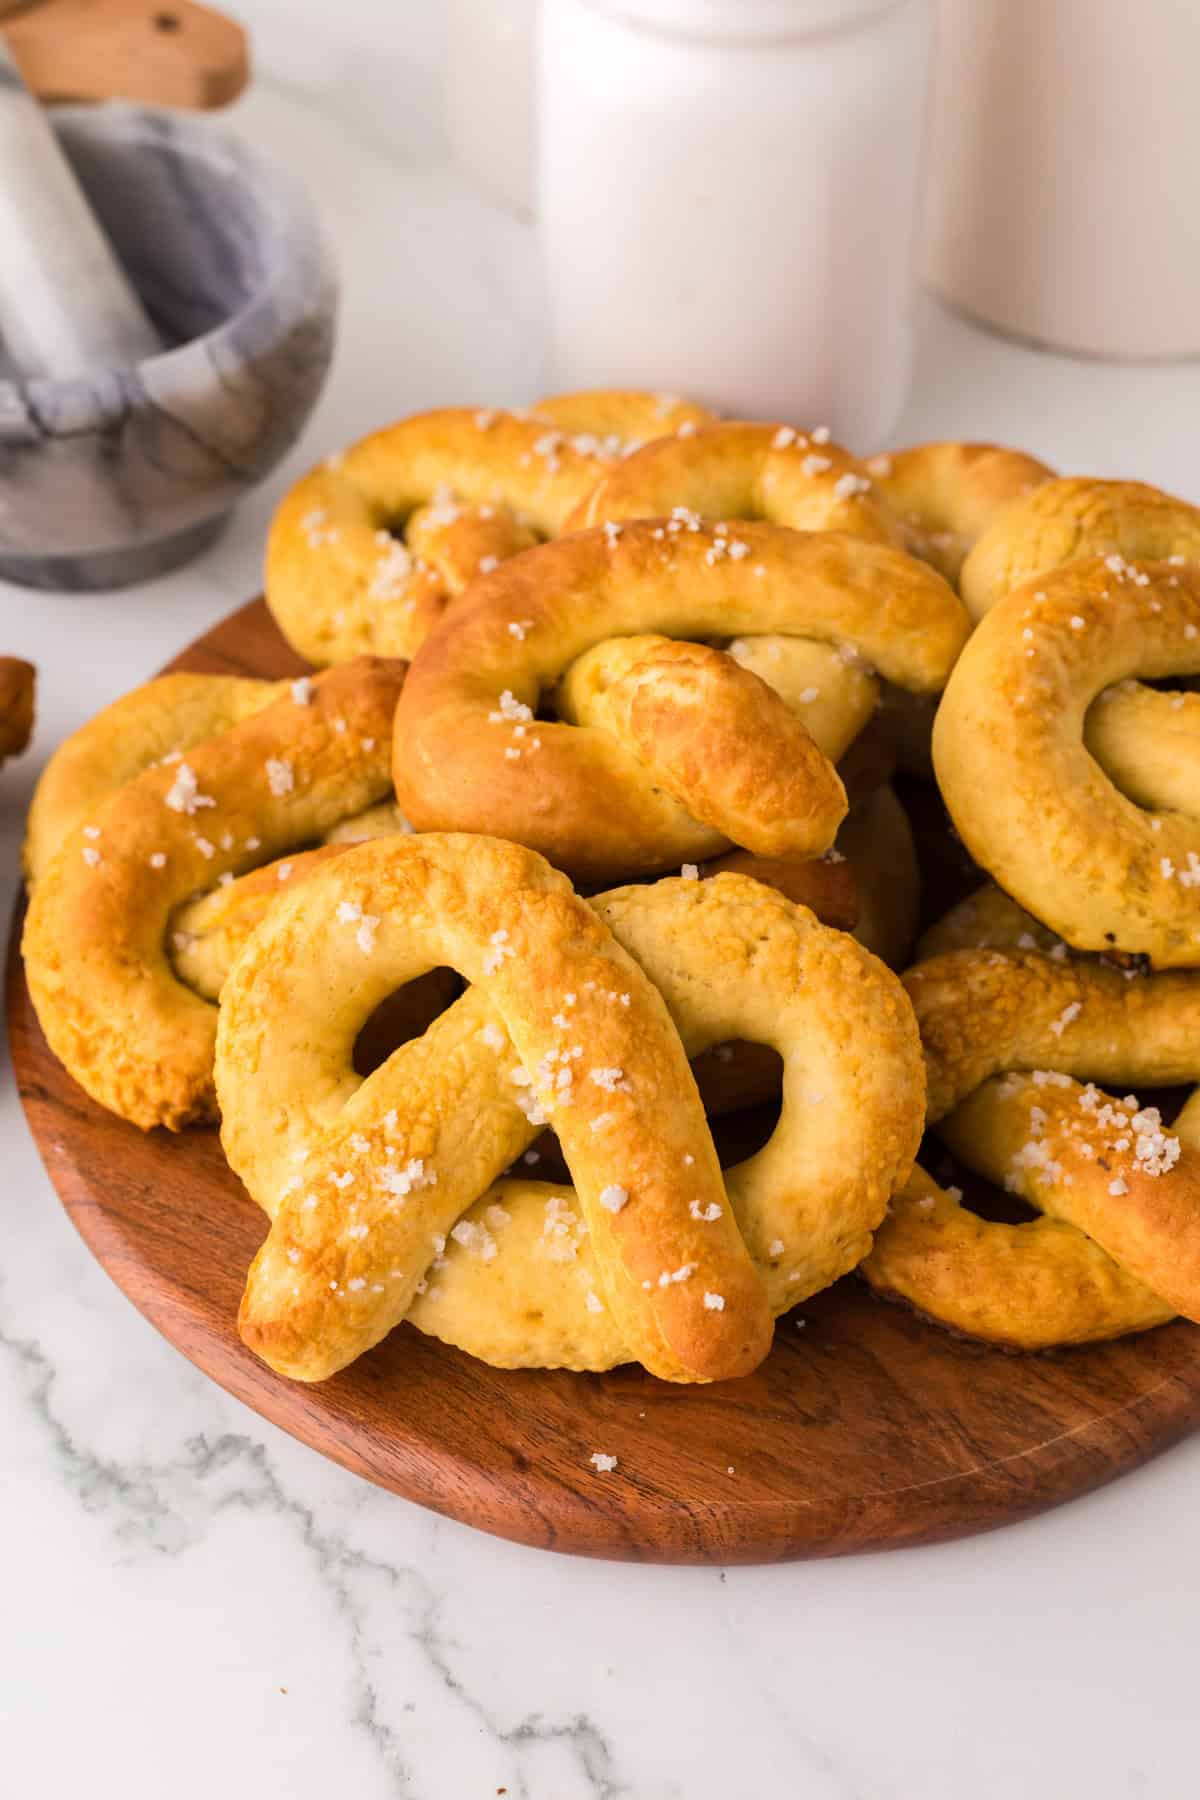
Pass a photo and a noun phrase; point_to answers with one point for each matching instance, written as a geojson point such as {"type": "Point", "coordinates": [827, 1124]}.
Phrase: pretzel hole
{"type": "Point", "coordinates": [742, 1096]}
{"type": "Point", "coordinates": [403, 1015]}
{"type": "Point", "coordinates": [979, 1196]}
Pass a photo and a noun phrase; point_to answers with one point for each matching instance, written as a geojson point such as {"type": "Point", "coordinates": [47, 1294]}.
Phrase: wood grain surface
{"type": "Point", "coordinates": [866, 1429]}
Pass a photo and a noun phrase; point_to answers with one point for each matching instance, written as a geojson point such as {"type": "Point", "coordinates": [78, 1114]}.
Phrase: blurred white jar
{"type": "Point", "coordinates": [489, 96]}
{"type": "Point", "coordinates": [1065, 145]}
{"type": "Point", "coordinates": [727, 193]}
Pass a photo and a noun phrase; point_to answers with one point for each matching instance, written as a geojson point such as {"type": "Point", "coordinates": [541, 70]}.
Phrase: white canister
{"type": "Point", "coordinates": [727, 194]}
{"type": "Point", "coordinates": [1064, 147]}
{"type": "Point", "coordinates": [489, 96]}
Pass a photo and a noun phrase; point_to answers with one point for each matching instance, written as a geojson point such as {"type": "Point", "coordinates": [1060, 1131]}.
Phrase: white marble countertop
{"type": "Point", "coordinates": [194, 1604]}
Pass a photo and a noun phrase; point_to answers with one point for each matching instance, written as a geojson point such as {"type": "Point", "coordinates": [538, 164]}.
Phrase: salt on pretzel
{"type": "Point", "coordinates": [473, 754]}
{"type": "Point", "coordinates": [161, 718]}
{"type": "Point", "coordinates": [1029, 799]}
{"type": "Point", "coordinates": [949, 494]}
{"type": "Point", "coordinates": [96, 937]}
{"type": "Point", "coordinates": [1137, 735]}
{"type": "Point", "coordinates": [932, 500]}
{"type": "Point", "coordinates": [367, 551]}
{"type": "Point", "coordinates": [380, 1191]}
{"type": "Point", "coordinates": [17, 683]}
{"type": "Point", "coordinates": [1072, 517]}
{"type": "Point", "coordinates": [1118, 1249]}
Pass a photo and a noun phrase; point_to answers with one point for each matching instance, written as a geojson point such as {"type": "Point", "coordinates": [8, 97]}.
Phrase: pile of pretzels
{"type": "Point", "coordinates": [602, 787]}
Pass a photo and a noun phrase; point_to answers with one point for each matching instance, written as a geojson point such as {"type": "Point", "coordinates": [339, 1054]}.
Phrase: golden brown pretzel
{"type": "Point", "coordinates": [472, 754]}
{"type": "Point", "coordinates": [163, 717]}
{"type": "Point", "coordinates": [733, 470]}
{"type": "Point", "coordinates": [1015, 768]}
{"type": "Point", "coordinates": [949, 494]}
{"type": "Point", "coordinates": [1072, 517]}
{"type": "Point", "coordinates": [96, 951]}
{"type": "Point", "coordinates": [380, 1190]}
{"type": "Point", "coordinates": [932, 500]}
{"type": "Point", "coordinates": [17, 682]}
{"type": "Point", "coordinates": [1119, 1247]}
{"type": "Point", "coordinates": [367, 551]}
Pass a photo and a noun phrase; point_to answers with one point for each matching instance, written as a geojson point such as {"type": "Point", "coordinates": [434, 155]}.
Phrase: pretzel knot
{"type": "Point", "coordinates": [1010, 1041]}
{"type": "Point", "coordinates": [368, 550]}
{"type": "Point", "coordinates": [17, 682]}
{"type": "Point", "coordinates": [1036, 727]}
{"type": "Point", "coordinates": [949, 494]}
{"type": "Point", "coordinates": [99, 937]}
{"type": "Point", "coordinates": [664, 751]}
{"type": "Point", "coordinates": [380, 1191]}
{"type": "Point", "coordinates": [1062, 520]}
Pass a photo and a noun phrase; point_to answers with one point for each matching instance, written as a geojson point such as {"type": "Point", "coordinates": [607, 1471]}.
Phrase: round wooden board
{"type": "Point", "coordinates": [865, 1430]}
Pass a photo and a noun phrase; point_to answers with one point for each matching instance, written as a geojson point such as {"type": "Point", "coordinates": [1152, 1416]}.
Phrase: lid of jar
{"type": "Point", "coordinates": [746, 19]}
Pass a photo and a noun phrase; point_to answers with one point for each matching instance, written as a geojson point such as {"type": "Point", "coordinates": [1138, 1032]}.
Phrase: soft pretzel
{"type": "Point", "coordinates": [732, 470]}
{"type": "Point", "coordinates": [1029, 799]}
{"type": "Point", "coordinates": [1072, 517]}
{"type": "Point", "coordinates": [96, 950]}
{"type": "Point", "coordinates": [164, 717]}
{"type": "Point", "coordinates": [946, 494]}
{"type": "Point", "coordinates": [949, 494]}
{"type": "Point", "coordinates": [472, 753]}
{"type": "Point", "coordinates": [367, 551]}
{"type": "Point", "coordinates": [380, 1191]}
{"type": "Point", "coordinates": [1119, 1248]}
{"type": "Point", "coordinates": [17, 683]}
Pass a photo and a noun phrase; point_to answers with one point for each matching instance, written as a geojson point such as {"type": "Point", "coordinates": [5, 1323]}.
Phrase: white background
{"type": "Point", "coordinates": [170, 1564]}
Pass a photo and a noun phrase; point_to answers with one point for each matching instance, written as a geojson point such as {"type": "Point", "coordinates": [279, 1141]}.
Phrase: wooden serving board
{"type": "Point", "coordinates": [864, 1430]}
{"type": "Point", "coordinates": [160, 52]}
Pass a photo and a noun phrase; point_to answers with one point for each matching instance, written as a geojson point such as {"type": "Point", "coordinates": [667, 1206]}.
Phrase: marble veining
{"type": "Point", "coordinates": [120, 474]}
{"type": "Point", "coordinates": [171, 1563]}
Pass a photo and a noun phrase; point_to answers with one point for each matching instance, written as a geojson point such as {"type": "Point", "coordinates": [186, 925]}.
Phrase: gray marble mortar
{"type": "Point", "coordinates": [117, 476]}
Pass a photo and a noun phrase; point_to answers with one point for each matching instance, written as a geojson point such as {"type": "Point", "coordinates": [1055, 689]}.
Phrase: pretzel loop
{"type": "Point", "coordinates": [473, 754]}
{"type": "Point", "coordinates": [1008, 1038]}
{"type": "Point", "coordinates": [367, 551]}
{"type": "Point", "coordinates": [97, 937]}
{"type": "Point", "coordinates": [371, 1184]}
{"type": "Point", "coordinates": [1014, 765]}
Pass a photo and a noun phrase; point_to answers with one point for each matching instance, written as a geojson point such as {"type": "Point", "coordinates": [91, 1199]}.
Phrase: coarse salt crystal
{"type": "Point", "coordinates": [849, 485]}
{"type": "Point", "coordinates": [183, 796]}
{"type": "Point", "coordinates": [281, 777]}
{"type": "Point", "coordinates": [1067, 1017]}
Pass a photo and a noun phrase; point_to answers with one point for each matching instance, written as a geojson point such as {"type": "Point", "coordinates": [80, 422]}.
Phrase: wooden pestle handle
{"type": "Point", "coordinates": [165, 52]}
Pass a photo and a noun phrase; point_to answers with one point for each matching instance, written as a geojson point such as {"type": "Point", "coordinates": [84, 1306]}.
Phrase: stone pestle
{"type": "Point", "coordinates": [66, 305]}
